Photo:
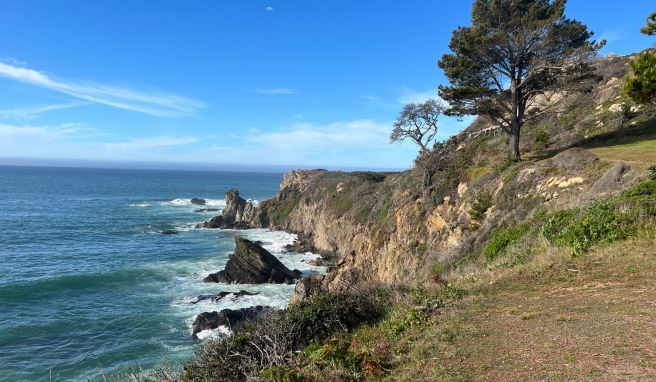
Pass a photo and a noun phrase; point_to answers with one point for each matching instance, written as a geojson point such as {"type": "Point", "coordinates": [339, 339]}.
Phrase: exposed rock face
{"type": "Point", "coordinates": [226, 317]}
{"type": "Point", "coordinates": [252, 264]}
{"type": "Point", "coordinates": [238, 213]}
{"type": "Point", "coordinates": [198, 201]}
{"type": "Point", "coordinates": [221, 295]}
{"type": "Point", "coordinates": [308, 287]}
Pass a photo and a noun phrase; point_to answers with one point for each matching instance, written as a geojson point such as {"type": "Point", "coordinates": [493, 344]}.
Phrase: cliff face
{"type": "Point", "coordinates": [401, 227]}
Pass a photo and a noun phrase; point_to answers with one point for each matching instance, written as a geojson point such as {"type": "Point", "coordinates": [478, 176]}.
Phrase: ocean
{"type": "Point", "coordinates": [89, 287]}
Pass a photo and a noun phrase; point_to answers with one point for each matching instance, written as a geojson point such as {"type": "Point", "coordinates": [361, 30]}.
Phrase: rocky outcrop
{"type": "Point", "coordinates": [252, 264]}
{"type": "Point", "coordinates": [221, 295]}
{"type": "Point", "coordinates": [226, 317]}
{"type": "Point", "coordinates": [198, 201]}
{"type": "Point", "coordinates": [238, 213]}
{"type": "Point", "coordinates": [169, 232]}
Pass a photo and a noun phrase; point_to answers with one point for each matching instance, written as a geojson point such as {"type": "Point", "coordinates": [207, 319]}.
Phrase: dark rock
{"type": "Point", "coordinates": [198, 201]}
{"type": "Point", "coordinates": [219, 296]}
{"type": "Point", "coordinates": [169, 232]}
{"type": "Point", "coordinates": [302, 244]}
{"type": "Point", "coordinates": [252, 264]}
{"type": "Point", "coordinates": [226, 317]}
{"type": "Point", "coordinates": [206, 210]}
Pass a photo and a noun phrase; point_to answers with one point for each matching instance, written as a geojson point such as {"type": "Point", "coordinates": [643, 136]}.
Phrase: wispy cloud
{"type": "Point", "coordinates": [358, 133]}
{"type": "Point", "coordinates": [150, 143]}
{"type": "Point", "coordinates": [157, 104]}
{"type": "Point", "coordinates": [612, 35]}
{"type": "Point", "coordinates": [276, 91]}
{"type": "Point", "coordinates": [269, 9]}
{"type": "Point", "coordinates": [26, 114]}
{"type": "Point", "coordinates": [413, 96]}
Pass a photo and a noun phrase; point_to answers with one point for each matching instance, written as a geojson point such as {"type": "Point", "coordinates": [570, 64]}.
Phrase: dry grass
{"type": "Point", "coordinates": [558, 318]}
{"type": "Point", "coordinates": [639, 152]}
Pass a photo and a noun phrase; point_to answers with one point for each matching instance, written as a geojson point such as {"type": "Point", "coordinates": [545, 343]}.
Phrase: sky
{"type": "Point", "coordinates": [284, 83]}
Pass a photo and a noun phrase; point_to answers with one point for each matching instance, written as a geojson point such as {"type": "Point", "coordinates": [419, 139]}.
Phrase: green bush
{"type": "Point", "coordinates": [480, 206]}
{"type": "Point", "coordinates": [541, 139]}
{"type": "Point", "coordinates": [603, 221]}
{"type": "Point", "coordinates": [640, 84]}
{"type": "Point", "coordinates": [503, 238]}
{"type": "Point", "coordinates": [652, 172]}
{"type": "Point", "coordinates": [267, 348]}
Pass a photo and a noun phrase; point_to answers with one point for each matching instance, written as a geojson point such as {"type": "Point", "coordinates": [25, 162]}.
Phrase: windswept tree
{"type": "Point", "coordinates": [418, 122]}
{"type": "Point", "coordinates": [514, 51]}
{"type": "Point", "coordinates": [640, 84]}
{"type": "Point", "coordinates": [650, 28]}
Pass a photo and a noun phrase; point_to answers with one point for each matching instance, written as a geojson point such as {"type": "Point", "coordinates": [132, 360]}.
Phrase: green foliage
{"type": "Point", "coordinates": [503, 238]}
{"type": "Point", "coordinates": [266, 348]}
{"type": "Point", "coordinates": [341, 203]}
{"type": "Point", "coordinates": [640, 84]}
{"type": "Point", "coordinates": [480, 206]}
{"type": "Point", "coordinates": [482, 76]}
{"type": "Point", "coordinates": [652, 172]}
{"type": "Point", "coordinates": [650, 28]}
{"type": "Point", "coordinates": [279, 212]}
{"type": "Point", "coordinates": [603, 221]}
{"type": "Point", "coordinates": [541, 139]}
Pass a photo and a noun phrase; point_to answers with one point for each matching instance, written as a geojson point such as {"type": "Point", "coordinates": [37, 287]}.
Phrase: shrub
{"type": "Point", "coordinates": [267, 347]}
{"type": "Point", "coordinates": [503, 238]}
{"type": "Point", "coordinates": [480, 206]}
{"type": "Point", "coordinates": [652, 172]}
{"type": "Point", "coordinates": [541, 139]}
{"type": "Point", "coordinates": [603, 221]}
{"type": "Point", "coordinates": [640, 84]}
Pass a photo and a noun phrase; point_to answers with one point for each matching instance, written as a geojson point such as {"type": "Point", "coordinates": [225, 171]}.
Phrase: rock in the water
{"type": "Point", "coordinates": [169, 232]}
{"type": "Point", "coordinates": [226, 317]}
{"type": "Point", "coordinates": [219, 296]}
{"type": "Point", "coordinates": [198, 201]}
{"type": "Point", "coordinates": [252, 264]}
{"type": "Point", "coordinates": [206, 210]}
{"type": "Point", "coordinates": [238, 213]}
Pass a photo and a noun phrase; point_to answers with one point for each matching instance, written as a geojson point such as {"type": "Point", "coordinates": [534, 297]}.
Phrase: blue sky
{"type": "Point", "coordinates": [298, 83]}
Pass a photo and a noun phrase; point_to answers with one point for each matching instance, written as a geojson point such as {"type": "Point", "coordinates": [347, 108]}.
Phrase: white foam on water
{"type": "Point", "coordinates": [219, 203]}
{"type": "Point", "coordinates": [140, 205]}
{"type": "Point", "coordinates": [221, 331]}
{"type": "Point", "coordinates": [187, 277]}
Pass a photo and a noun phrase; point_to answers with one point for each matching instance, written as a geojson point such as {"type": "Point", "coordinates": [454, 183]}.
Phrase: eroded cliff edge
{"type": "Point", "coordinates": [402, 227]}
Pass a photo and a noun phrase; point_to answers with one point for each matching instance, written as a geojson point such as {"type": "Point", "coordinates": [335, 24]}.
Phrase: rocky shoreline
{"type": "Point", "coordinates": [250, 263]}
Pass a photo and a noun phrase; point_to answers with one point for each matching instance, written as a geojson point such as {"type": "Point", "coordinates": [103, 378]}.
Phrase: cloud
{"type": "Point", "coordinates": [413, 96]}
{"type": "Point", "coordinates": [276, 91]}
{"type": "Point", "coordinates": [26, 114]}
{"type": "Point", "coordinates": [612, 35]}
{"type": "Point", "coordinates": [157, 104]}
{"type": "Point", "coordinates": [149, 143]}
{"type": "Point", "coordinates": [362, 133]}
{"type": "Point", "coordinates": [269, 9]}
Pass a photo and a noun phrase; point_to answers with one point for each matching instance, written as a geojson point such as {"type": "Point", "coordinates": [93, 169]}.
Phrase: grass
{"type": "Point", "coordinates": [642, 152]}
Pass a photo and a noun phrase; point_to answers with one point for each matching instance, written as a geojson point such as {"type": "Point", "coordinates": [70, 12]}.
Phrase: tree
{"type": "Point", "coordinates": [650, 28]}
{"type": "Point", "coordinates": [640, 84]}
{"type": "Point", "coordinates": [514, 51]}
{"type": "Point", "coordinates": [417, 121]}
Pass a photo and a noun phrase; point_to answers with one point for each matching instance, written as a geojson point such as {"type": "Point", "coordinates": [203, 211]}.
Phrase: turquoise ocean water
{"type": "Point", "coordinates": [88, 284]}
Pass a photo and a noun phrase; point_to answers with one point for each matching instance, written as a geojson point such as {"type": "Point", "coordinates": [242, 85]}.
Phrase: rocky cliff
{"type": "Point", "coordinates": [401, 227]}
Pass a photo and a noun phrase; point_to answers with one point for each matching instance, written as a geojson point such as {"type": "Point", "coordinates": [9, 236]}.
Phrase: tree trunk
{"type": "Point", "coordinates": [514, 144]}
{"type": "Point", "coordinates": [515, 123]}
